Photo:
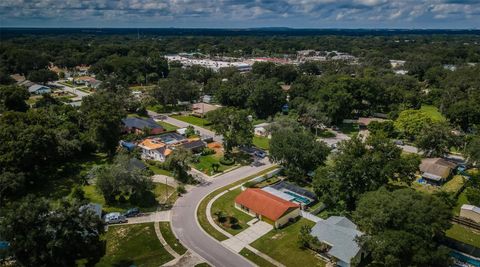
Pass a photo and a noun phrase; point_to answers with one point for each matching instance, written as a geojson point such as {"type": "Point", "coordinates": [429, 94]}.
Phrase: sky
{"type": "Point", "coordinates": [419, 14]}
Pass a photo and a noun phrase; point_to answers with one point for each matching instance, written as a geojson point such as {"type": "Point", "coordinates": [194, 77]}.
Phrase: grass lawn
{"type": "Point", "coordinates": [202, 207]}
{"type": "Point", "coordinates": [258, 121]}
{"type": "Point", "coordinates": [462, 199]}
{"type": "Point", "coordinates": [193, 120]}
{"type": "Point", "coordinates": [255, 258]}
{"type": "Point", "coordinates": [157, 170]}
{"type": "Point", "coordinates": [226, 204]}
{"type": "Point", "coordinates": [464, 234]}
{"type": "Point", "coordinates": [349, 129]}
{"type": "Point", "coordinates": [205, 164]}
{"type": "Point", "coordinates": [454, 184]}
{"type": "Point", "coordinates": [267, 182]}
{"type": "Point", "coordinates": [279, 243]}
{"type": "Point", "coordinates": [135, 244]}
{"type": "Point", "coordinates": [141, 87]}
{"type": "Point", "coordinates": [167, 126]}
{"type": "Point", "coordinates": [433, 112]}
{"type": "Point", "coordinates": [170, 238]}
{"type": "Point", "coordinates": [261, 142]}
{"type": "Point", "coordinates": [325, 134]}
{"type": "Point", "coordinates": [159, 192]}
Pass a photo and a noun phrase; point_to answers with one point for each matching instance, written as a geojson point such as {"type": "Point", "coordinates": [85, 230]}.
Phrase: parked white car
{"type": "Point", "coordinates": [114, 217]}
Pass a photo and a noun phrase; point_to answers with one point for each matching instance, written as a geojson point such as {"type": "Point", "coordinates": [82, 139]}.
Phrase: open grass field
{"type": "Point", "coordinates": [226, 204]}
{"type": "Point", "coordinates": [157, 170]}
{"type": "Point", "coordinates": [261, 142]}
{"type": "Point", "coordinates": [193, 120]}
{"type": "Point", "coordinates": [202, 207]}
{"type": "Point", "coordinates": [464, 234]}
{"type": "Point", "coordinates": [134, 245]}
{"type": "Point", "coordinates": [433, 112]}
{"type": "Point", "coordinates": [170, 238]}
{"type": "Point", "coordinates": [282, 245]}
{"type": "Point", "coordinates": [255, 258]}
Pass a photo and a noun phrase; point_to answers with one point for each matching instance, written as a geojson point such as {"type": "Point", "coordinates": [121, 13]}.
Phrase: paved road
{"type": "Point", "coordinates": [182, 124]}
{"type": "Point", "coordinates": [72, 90]}
{"type": "Point", "coordinates": [189, 232]}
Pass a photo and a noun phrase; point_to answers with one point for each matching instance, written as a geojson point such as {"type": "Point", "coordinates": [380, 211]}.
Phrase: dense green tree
{"type": "Point", "coordinates": [435, 139]}
{"type": "Point", "coordinates": [472, 149]}
{"type": "Point", "coordinates": [121, 180]}
{"type": "Point", "coordinates": [403, 228]}
{"type": "Point", "coordinates": [42, 76]}
{"type": "Point", "coordinates": [13, 98]}
{"type": "Point", "coordinates": [178, 162]}
{"type": "Point", "coordinates": [266, 98]}
{"type": "Point", "coordinates": [386, 127]}
{"type": "Point", "coordinates": [361, 167]}
{"type": "Point", "coordinates": [412, 122]}
{"type": "Point", "coordinates": [101, 115]}
{"type": "Point", "coordinates": [297, 151]}
{"type": "Point", "coordinates": [234, 125]}
{"type": "Point", "coordinates": [42, 235]}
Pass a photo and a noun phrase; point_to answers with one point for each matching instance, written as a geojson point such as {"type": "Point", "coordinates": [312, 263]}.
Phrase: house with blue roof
{"type": "Point", "coordinates": [339, 235]}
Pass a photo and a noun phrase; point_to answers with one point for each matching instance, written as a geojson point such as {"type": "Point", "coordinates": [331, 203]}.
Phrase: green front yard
{"type": "Point", "coordinates": [282, 245]}
{"type": "Point", "coordinates": [452, 186]}
{"type": "Point", "coordinates": [157, 170]}
{"type": "Point", "coordinates": [133, 245]}
{"type": "Point", "coordinates": [159, 195]}
{"type": "Point", "coordinates": [205, 164]}
{"type": "Point", "coordinates": [193, 120]}
{"type": "Point", "coordinates": [226, 205]}
{"type": "Point", "coordinates": [170, 238]}
{"type": "Point", "coordinates": [167, 126]}
{"type": "Point", "coordinates": [261, 142]}
{"type": "Point", "coordinates": [464, 234]}
{"type": "Point", "coordinates": [349, 129]}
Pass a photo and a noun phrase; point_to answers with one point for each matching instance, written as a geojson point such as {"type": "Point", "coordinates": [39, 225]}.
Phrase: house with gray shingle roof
{"type": "Point", "coordinates": [339, 234]}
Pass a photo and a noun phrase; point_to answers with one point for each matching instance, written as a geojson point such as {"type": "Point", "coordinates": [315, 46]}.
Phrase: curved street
{"type": "Point", "coordinates": [189, 232]}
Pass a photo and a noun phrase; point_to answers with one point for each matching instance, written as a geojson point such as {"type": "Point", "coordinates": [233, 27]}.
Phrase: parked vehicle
{"type": "Point", "coordinates": [114, 217]}
{"type": "Point", "coordinates": [399, 142]}
{"type": "Point", "coordinates": [260, 153]}
{"type": "Point", "coordinates": [132, 213]}
{"type": "Point", "coordinates": [335, 128]}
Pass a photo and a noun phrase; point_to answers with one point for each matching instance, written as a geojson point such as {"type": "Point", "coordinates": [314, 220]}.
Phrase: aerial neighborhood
{"type": "Point", "coordinates": [259, 147]}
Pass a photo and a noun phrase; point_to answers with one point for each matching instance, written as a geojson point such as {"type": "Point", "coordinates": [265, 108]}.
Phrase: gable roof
{"type": "Point", "coordinates": [37, 87]}
{"type": "Point", "coordinates": [140, 123]}
{"type": "Point", "coordinates": [436, 168]}
{"type": "Point", "coordinates": [264, 203]}
{"type": "Point", "coordinates": [340, 233]}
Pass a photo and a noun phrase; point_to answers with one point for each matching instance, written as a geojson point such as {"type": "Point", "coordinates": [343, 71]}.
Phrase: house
{"type": "Point", "coordinates": [200, 109]}
{"type": "Point", "coordinates": [339, 235]}
{"type": "Point", "coordinates": [182, 131]}
{"type": "Point", "coordinates": [39, 89]}
{"type": "Point", "coordinates": [267, 207]}
{"type": "Point", "coordinates": [154, 150]}
{"type": "Point", "coordinates": [470, 212]}
{"type": "Point", "coordinates": [261, 129]}
{"type": "Point", "coordinates": [436, 170]}
{"type": "Point", "coordinates": [194, 145]}
{"type": "Point", "coordinates": [364, 122]}
{"type": "Point", "coordinates": [139, 125]}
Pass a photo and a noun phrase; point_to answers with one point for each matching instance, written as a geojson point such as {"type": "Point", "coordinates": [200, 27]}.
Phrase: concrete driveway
{"type": "Point", "coordinates": [252, 233]}
{"type": "Point", "coordinates": [158, 216]}
{"type": "Point", "coordinates": [191, 234]}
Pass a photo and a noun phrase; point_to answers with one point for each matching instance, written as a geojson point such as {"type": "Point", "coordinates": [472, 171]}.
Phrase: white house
{"type": "Point", "coordinates": [154, 150]}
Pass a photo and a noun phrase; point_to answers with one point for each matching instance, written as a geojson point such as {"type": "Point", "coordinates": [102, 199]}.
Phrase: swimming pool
{"type": "Point", "coordinates": [464, 259]}
{"type": "Point", "coordinates": [298, 198]}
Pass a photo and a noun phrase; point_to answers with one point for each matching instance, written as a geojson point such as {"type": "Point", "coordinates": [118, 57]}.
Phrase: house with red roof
{"type": "Point", "coordinates": [267, 207]}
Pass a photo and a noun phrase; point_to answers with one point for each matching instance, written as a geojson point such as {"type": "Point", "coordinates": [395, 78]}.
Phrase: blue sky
{"type": "Point", "coordinates": [450, 14]}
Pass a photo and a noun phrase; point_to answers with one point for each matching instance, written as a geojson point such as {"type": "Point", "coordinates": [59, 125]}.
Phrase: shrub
{"type": "Point", "coordinates": [227, 161]}
{"type": "Point", "coordinates": [181, 189]}
{"type": "Point", "coordinates": [207, 151]}
{"type": "Point", "coordinates": [250, 184]}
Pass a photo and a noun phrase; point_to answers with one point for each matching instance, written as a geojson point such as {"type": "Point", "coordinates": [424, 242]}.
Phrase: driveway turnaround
{"type": "Point", "coordinates": [190, 233]}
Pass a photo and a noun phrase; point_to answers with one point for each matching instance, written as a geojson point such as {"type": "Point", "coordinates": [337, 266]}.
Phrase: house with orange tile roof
{"type": "Point", "coordinates": [267, 207]}
{"type": "Point", "coordinates": [154, 150]}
